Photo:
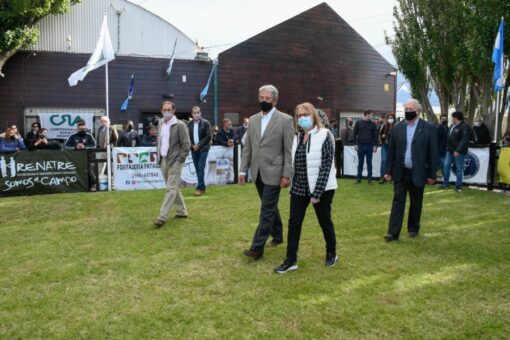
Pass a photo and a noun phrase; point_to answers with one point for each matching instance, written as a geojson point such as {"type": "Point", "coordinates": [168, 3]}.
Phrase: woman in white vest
{"type": "Point", "coordinates": [313, 181]}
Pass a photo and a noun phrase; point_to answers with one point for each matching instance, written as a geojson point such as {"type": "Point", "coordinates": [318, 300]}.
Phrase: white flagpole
{"type": "Point", "coordinates": [108, 151]}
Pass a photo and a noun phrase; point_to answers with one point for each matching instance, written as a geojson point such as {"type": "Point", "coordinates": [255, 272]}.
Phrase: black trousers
{"type": "Point", "coordinates": [298, 205]}
{"type": "Point", "coordinates": [398, 207]}
{"type": "Point", "coordinates": [270, 222]}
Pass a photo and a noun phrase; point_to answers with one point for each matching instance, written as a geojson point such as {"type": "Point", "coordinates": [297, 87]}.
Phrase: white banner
{"type": "Point", "coordinates": [63, 125]}
{"type": "Point", "coordinates": [137, 168]}
{"type": "Point", "coordinates": [351, 162]}
{"type": "Point", "coordinates": [476, 167]}
{"type": "Point", "coordinates": [219, 167]}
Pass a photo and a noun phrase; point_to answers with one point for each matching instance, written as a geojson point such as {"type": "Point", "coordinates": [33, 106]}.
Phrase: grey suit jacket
{"type": "Point", "coordinates": [424, 153]}
{"type": "Point", "coordinates": [270, 155]}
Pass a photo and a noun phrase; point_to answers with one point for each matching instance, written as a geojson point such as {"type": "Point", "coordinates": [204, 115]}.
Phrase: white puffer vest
{"type": "Point", "coordinates": [314, 158]}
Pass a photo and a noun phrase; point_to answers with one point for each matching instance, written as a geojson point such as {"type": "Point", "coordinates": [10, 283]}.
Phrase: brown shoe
{"type": "Point", "coordinates": [253, 254]}
{"type": "Point", "coordinates": [159, 223]}
{"type": "Point", "coordinates": [198, 193]}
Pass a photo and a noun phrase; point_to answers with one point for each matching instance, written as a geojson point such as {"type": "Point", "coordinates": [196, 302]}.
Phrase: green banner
{"type": "Point", "coordinates": [43, 172]}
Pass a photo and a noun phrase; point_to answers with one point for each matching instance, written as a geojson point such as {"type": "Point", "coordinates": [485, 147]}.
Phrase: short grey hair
{"type": "Point", "coordinates": [419, 108]}
{"type": "Point", "coordinates": [271, 89]}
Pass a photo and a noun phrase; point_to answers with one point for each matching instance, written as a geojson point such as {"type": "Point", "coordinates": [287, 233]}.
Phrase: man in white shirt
{"type": "Point", "coordinates": [268, 154]}
{"type": "Point", "coordinates": [173, 148]}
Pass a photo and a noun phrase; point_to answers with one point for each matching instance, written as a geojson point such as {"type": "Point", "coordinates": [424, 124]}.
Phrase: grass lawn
{"type": "Point", "coordinates": [92, 266]}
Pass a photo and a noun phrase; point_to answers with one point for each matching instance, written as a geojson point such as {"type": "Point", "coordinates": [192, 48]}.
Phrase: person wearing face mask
{"type": "Point", "coordinates": [267, 153]}
{"type": "Point", "coordinates": [129, 137]}
{"type": "Point", "coordinates": [412, 163]}
{"type": "Point", "coordinates": [81, 140]}
{"type": "Point", "coordinates": [384, 139]}
{"type": "Point", "coordinates": [365, 136]}
{"type": "Point", "coordinates": [9, 143]}
{"type": "Point", "coordinates": [200, 136]}
{"type": "Point", "coordinates": [30, 137]}
{"type": "Point", "coordinates": [41, 141]}
{"type": "Point", "coordinates": [347, 131]}
{"type": "Point", "coordinates": [313, 181]}
{"type": "Point", "coordinates": [442, 138]}
{"type": "Point", "coordinates": [459, 135]}
{"type": "Point", "coordinates": [173, 149]}
{"type": "Point", "coordinates": [481, 133]}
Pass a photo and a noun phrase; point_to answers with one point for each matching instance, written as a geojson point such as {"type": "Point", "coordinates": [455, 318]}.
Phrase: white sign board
{"type": "Point", "coordinates": [63, 125]}
{"type": "Point", "coordinates": [351, 162]}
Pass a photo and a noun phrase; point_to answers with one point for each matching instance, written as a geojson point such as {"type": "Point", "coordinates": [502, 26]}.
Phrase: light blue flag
{"type": "Point", "coordinates": [497, 59]}
{"type": "Point", "coordinates": [203, 94]}
{"type": "Point", "coordinates": [130, 94]}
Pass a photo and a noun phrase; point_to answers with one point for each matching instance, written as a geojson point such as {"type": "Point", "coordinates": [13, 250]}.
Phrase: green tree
{"type": "Point", "coordinates": [446, 46]}
{"type": "Point", "coordinates": [18, 19]}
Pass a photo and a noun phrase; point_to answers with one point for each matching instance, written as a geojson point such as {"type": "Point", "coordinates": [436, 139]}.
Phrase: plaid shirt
{"type": "Point", "coordinates": [300, 185]}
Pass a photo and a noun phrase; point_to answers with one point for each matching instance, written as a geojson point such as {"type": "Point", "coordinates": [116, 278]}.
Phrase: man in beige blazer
{"type": "Point", "coordinates": [173, 148]}
{"type": "Point", "coordinates": [267, 153]}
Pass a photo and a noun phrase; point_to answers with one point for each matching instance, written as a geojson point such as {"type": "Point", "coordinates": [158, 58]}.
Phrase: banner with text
{"type": "Point", "coordinates": [43, 172]}
{"type": "Point", "coordinates": [63, 125]}
{"type": "Point", "coordinates": [137, 168]}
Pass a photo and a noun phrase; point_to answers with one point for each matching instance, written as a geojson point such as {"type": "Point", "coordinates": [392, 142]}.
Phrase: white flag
{"type": "Point", "coordinates": [102, 54]}
{"type": "Point", "coordinates": [169, 69]}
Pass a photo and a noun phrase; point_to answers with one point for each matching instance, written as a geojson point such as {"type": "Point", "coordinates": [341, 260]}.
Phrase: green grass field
{"type": "Point", "coordinates": [92, 266]}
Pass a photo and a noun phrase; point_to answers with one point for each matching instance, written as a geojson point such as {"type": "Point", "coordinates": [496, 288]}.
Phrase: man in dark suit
{"type": "Point", "coordinates": [268, 154]}
{"type": "Point", "coordinates": [200, 136]}
{"type": "Point", "coordinates": [442, 137]}
{"type": "Point", "coordinates": [412, 163]}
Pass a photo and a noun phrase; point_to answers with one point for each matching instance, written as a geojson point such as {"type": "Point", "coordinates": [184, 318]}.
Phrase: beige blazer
{"type": "Point", "coordinates": [179, 143]}
{"type": "Point", "coordinates": [269, 155]}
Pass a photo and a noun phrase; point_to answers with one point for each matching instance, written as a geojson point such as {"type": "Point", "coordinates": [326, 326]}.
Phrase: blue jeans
{"type": "Point", "coordinates": [384, 158]}
{"type": "Point", "coordinates": [459, 168]}
{"type": "Point", "coordinates": [365, 150]}
{"type": "Point", "coordinates": [199, 159]}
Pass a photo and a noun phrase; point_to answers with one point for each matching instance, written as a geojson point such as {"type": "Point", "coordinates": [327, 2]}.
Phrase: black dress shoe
{"type": "Point", "coordinates": [358, 181]}
{"type": "Point", "coordinates": [413, 234]}
{"type": "Point", "coordinates": [273, 243]}
{"type": "Point", "coordinates": [390, 237]}
{"type": "Point", "coordinates": [253, 254]}
{"type": "Point", "coordinates": [181, 216]}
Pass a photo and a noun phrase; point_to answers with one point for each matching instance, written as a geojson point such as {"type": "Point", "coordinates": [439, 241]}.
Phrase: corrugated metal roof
{"type": "Point", "coordinates": [134, 31]}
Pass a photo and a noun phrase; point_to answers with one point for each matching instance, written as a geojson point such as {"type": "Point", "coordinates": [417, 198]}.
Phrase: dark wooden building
{"type": "Point", "coordinates": [316, 57]}
{"type": "Point", "coordinates": [38, 83]}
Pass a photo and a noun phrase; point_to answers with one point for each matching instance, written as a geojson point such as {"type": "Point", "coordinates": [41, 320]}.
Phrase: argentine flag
{"type": "Point", "coordinates": [497, 59]}
{"type": "Point", "coordinates": [103, 53]}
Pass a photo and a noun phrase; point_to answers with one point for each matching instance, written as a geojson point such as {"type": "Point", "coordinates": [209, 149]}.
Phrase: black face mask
{"type": "Point", "coordinates": [444, 122]}
{"type": "Point", "coordinates": [82, 133]}
{"type": "Point", "coordinates": [265, 106]}
{"type": "Point", "coordinates": [410, 115]}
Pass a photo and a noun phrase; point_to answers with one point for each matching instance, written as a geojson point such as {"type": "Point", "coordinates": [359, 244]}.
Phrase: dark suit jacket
{"type": "Point", "coordinates": [424, 153]}
{"type": "Point", "coordinates": [442, 136]}
{"type": "Point", "coordinates": [204, 134]}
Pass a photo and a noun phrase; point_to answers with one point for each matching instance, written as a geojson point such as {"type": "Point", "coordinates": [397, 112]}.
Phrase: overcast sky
{"type": "Point", "coordinates": [220, 24]}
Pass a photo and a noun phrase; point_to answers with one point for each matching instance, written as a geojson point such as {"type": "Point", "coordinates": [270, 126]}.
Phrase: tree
{"type": "Point", "coordinates": [446, 46]}
{"type": "Point", "coordinates": [18, 19]}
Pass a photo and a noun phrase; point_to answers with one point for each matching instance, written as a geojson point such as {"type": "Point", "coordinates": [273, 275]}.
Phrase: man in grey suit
{"type": "Point", "coordinates": [412, 163]}
{"type": "Point", "coordinates": [267, 152]}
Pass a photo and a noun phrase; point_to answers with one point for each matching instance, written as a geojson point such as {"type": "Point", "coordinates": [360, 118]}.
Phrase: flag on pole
{"type": "Point", "coordinates": [497, 59]}
{"type": "Point", "coordinates": [130, 94]}
{"type": "Point", "coordinates": [203, 94]}
{"type": "Point", "coordinates": [102, 54]}
{"type": "Point", "coordinates": [169, 69]}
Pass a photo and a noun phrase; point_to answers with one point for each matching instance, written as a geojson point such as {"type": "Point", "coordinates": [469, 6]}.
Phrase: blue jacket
{"type": "Point", "coordinates": [10, 145]}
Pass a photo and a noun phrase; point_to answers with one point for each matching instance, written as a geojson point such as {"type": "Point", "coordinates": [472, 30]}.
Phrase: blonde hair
{"type": "Point", "coordinates": [308, 107]}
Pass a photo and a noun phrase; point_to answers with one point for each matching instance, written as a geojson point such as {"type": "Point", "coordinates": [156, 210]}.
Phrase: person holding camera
{"type": "Point", "coordinates": [226, 135]}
